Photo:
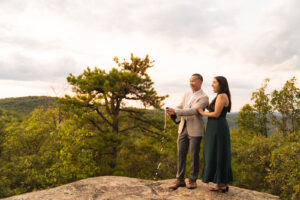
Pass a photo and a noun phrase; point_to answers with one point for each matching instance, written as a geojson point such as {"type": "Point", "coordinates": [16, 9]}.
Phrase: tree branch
{"type": "Point", "coordinates": [126, 129]}
{"type": "Point", "coordinates": [132, 111]}
{"type": "Point", "coordinates": [106, 104]}
{"type": "Point", "coordinates": [95, 124]}
{"type": "Point", "coordinates": [102, 116]}
{"type": "Point", "coordinates": [145, 129]}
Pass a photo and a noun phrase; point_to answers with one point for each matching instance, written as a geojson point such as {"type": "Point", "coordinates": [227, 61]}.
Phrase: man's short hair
{"type": "Point", "coordinates": [198, 76]}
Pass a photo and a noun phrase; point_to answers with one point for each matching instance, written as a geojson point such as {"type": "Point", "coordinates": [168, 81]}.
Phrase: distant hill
{"type": "Point", "coordinates": [25, 105]}
{"type": "Point", "coordinates": [230, 119]}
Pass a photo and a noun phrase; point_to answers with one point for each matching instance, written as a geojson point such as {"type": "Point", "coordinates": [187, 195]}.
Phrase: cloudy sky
{"type": "Point", "coordinates": [42, 41]}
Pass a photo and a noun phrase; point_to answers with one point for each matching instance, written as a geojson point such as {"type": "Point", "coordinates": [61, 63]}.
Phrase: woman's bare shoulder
{"type": "Point", "coordinates": [223, 98]}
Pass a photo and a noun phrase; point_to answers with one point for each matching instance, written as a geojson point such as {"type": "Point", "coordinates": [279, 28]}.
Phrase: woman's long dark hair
{"type": "Point", "coordinates": [224, 88]}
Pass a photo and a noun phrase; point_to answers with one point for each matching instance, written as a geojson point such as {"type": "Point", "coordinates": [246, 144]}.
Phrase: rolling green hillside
{"type": "Point", "coordinates": [25, 105]}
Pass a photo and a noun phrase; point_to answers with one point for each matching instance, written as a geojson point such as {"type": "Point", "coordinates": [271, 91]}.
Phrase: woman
{"type": "Point", "coordinates": [217, 152]}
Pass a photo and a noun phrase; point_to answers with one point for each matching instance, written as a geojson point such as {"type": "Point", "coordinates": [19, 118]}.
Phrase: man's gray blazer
{"type": "Point", "coordinates": [189, 113]}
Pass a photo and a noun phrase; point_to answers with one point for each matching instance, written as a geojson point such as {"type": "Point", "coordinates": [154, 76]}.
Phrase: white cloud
{"type": "Point", "coordinates": [277, 37]}
{"type": "Point", "coordinates": [22, 67]}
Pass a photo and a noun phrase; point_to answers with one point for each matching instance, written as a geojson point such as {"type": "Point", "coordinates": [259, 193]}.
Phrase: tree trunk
{"type": "Point", "coordinates": [284, 125]}
{"type": "Point", "coordinates": [114, 143]}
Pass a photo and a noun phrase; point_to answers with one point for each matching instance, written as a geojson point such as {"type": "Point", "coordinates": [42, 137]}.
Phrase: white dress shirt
{"type": "Point", "coordinates": [192, 96]}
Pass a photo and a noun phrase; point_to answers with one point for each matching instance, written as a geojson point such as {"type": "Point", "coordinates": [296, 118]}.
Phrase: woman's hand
{"type": "Point", "coordinates": [200, 110]}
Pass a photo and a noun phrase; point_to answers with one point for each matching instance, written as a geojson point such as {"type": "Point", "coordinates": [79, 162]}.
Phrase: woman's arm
{"type": "Point", "coordinates": [220, 103]}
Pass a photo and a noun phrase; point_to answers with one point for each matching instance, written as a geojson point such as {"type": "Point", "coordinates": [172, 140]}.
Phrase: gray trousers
{"type": "Point", "coordinates": [185, 143]}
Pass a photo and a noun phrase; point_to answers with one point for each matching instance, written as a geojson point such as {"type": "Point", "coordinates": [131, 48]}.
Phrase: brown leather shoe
{"type": "Point", "coordinates": [192, 185]}
{"type": "Point", "coordinates": [177, 184]}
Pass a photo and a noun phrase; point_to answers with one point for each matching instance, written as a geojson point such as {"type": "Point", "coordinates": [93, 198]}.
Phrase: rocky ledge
{"type": "Point", "coordinates": [122, 188]}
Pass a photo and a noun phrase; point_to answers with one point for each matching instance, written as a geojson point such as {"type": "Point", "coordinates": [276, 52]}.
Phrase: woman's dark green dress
{"type": "Point", "coordinates": [217, 152]}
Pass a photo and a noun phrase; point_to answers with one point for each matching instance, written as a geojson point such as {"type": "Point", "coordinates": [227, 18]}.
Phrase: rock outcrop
{"type": "Point", "coordinates": [123, 188]}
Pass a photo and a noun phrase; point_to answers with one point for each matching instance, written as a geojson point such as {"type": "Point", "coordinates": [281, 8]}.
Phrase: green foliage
{"type": "Point", "coordinates": [259, 118]}
{"type": "Point", "coordinates": [73, 158]}
{"type": "Point", "coordinates": [6, 118]}
{"type": "Point", "coordinates": [246, 119]}
{"type": "Point", "coordinates": [255, 119]}
{"type": "Point", "coordinates": [284, 173]}
{"type": "Point", "coordinates": [22, 154]}
{"type": "Point", "coordinates": [133, 160]}
{"type": "Point", "coordinates": [287, 103]}
{"type": "Point", "coordinates": [262, 108]}
{"type": "Point", "coordinates": [251, 159]}
{"type": "Point", "coordinates": [267, 164]}
{"type": "Point", "coordinates": [44, 151]}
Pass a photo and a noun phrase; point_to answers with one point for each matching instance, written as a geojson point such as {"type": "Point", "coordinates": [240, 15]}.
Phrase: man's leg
{"type": "Point", "coordinates": [182, 150]}
{"type": "Point", "coordinates": [194, 153]}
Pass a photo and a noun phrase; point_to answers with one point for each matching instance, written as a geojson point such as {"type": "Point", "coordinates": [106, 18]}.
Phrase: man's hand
{"type": "Point", "coordinates": [171, 111]}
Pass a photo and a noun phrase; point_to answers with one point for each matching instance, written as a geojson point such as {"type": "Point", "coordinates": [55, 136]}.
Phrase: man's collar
{"type": "Point", "coordinates": [197, 92]}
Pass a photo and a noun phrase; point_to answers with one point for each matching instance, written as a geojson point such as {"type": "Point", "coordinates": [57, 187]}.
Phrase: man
{"type": "Point", "coordinates": [190, 131]}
